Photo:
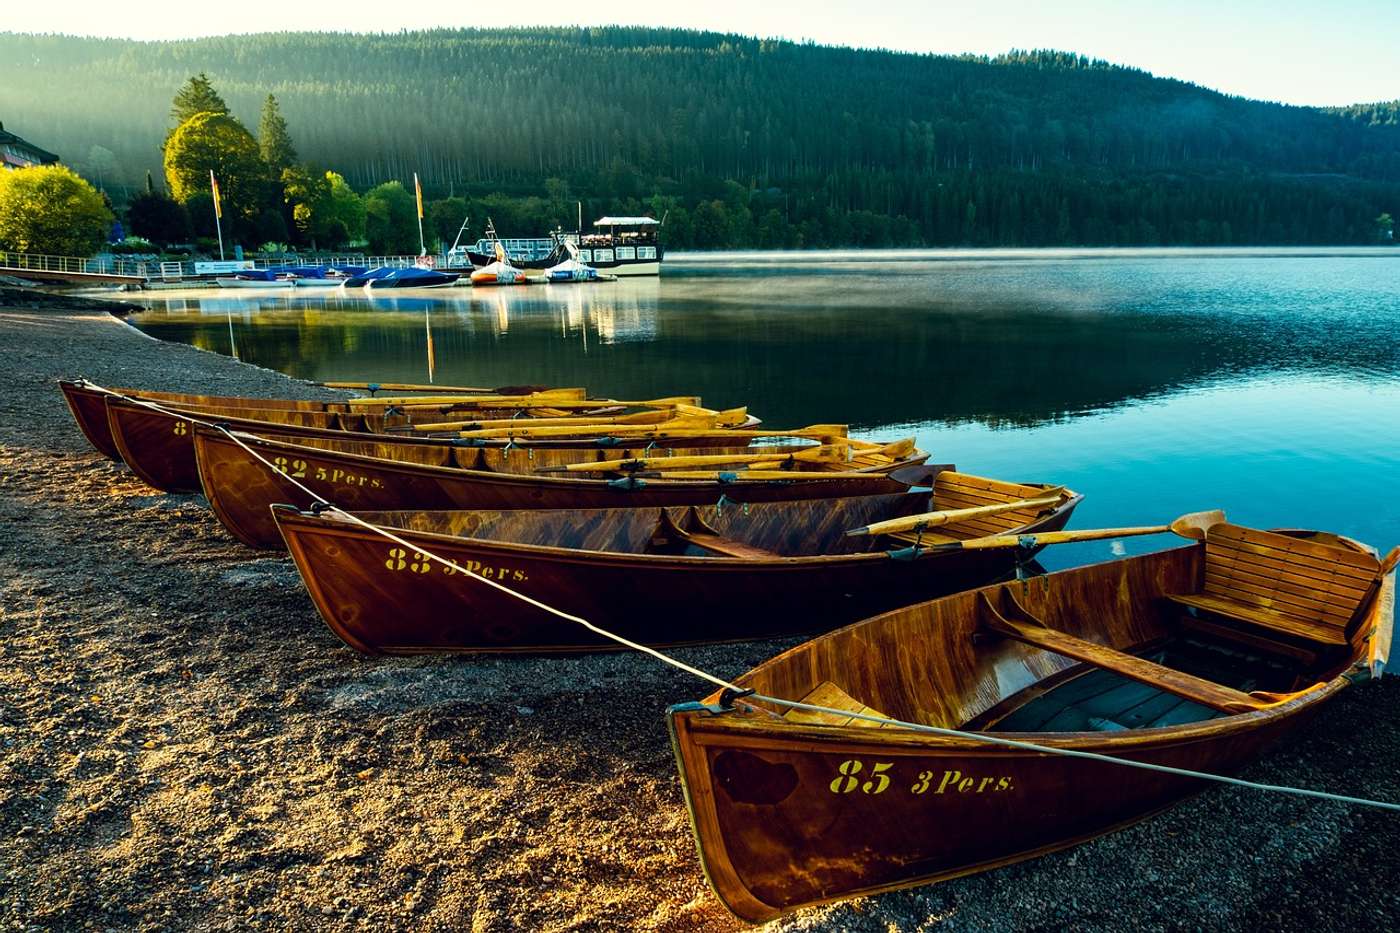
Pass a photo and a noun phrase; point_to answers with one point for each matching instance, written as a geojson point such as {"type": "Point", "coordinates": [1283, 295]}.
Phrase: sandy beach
{"type": "Point", "coordinates": [184, 745]}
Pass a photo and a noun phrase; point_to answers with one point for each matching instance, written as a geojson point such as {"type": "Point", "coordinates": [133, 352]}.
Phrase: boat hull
{"type": "Point", "coordinates": [789, 815]}
{"type": "Point", "coordinates": [945, 812]}
{"type": "Point", "coordinates": [382, 598]}
{"type": "Point", "coordinates": [159, 448]}
{"type": "Point", "coordinates": [241, 489]}
{"type": "Point", "coordinates": [89, 408]}
{"type": "Point", "coordinates": [254, 283]}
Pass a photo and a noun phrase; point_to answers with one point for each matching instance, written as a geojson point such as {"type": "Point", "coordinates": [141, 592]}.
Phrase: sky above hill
{"type": "Point", "coordinates": [1295, 51]}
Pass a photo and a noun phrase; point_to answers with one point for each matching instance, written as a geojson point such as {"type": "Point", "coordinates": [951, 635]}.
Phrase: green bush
{"type": "Point", "coordinates": [51, 209]}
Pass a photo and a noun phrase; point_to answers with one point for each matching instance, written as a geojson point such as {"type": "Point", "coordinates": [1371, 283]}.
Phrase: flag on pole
{"type": "Point", "coordinates": [214, 187]}
{"type": "Point", "coordinates": [418, 190]}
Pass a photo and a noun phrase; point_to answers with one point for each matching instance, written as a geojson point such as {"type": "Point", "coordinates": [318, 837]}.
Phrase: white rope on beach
{"type": "Point", "coordinates": [978, 737]}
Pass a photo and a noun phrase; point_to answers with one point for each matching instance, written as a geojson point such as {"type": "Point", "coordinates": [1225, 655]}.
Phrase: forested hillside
{"type": "Point", "coordinates": [744, 142]}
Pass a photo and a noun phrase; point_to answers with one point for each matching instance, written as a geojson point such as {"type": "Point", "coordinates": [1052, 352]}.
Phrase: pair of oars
{"type": "Point", "coordinates": [1191, 525]}
{"type": "Point", "coordinates": [823, 453]}
{"type": "Point", "coordinates": [659, 410]}
{"type": "Point", "coordinates": [403, 387]}
{"type": "Point", "coordinates": [728, 423]}
{"type": "Point", "coordinates": [547, 398]}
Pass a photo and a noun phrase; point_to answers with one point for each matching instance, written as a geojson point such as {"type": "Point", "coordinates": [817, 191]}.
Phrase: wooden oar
{"type": "Point", "coordinates": [736, 476]}
{"type": "Point", "coordinates": [671, 407]}
{"type": "Point", "coordinates": [399, 387]}
{"type": "Point", "coordinates": [825, 453]}
{"type": "Point", "coordinates": [1190, 525]}
{"type": "Point", "coordinates": [826, 433]}
{"type": "Point", "coordinates": [641, 417]}
{"type": "Point", "coordinates": [549, 395]}
{"type": "Point", "coordinates": [949, 516]}
{"type": "Point", "coordinates": [588, 404]}
{"type": "Point", "coordinates": [587, 427]}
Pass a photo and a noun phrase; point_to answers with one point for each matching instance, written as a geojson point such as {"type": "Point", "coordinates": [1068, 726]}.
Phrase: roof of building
{"type": "Point", "coordinates": [625, 221]}
{"type": "Point", "coordinates": [43, 155]}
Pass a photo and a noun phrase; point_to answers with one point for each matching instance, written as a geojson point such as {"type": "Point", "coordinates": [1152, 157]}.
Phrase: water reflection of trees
{"type": "Point", "coordinates": [812, 359]}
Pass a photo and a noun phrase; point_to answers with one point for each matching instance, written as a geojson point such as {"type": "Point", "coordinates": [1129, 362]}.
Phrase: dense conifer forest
{"type": "Point", "coordinates": [741, 142]}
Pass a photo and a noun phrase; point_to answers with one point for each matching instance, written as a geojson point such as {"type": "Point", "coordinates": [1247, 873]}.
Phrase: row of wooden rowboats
{"type": "Point", "coordinates": [946, 723]}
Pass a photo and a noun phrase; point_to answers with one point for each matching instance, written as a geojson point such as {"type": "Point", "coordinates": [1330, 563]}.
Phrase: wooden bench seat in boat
{"type": "Point", "coordinates": [700, 535]}
{"type": "Point", "coordinates": [954, 490]}
{"type": "Point", "coordinates": [1304, 589]}
{"type": "Point", "coordinates": [829, 695]}
{"type": "Point", "coordinates": [1014, 621]}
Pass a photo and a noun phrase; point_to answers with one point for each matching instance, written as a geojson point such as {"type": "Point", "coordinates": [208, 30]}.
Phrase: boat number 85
{"type": "Point", "coordinates": [847, 781]}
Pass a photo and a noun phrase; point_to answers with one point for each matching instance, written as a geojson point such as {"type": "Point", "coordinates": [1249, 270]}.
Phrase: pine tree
{"type": "Point", "coordinates": [274, 141]}
{"type": "Point", "coordinates": [197, 96]}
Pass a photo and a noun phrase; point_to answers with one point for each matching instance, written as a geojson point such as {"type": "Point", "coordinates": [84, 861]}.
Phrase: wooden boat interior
{"type": "Point", "coordinates": [757, 531]}
{"type": "Point", "coordinates": [1241, 622]}
{"type": "Point", "coordinates": [498, 458]}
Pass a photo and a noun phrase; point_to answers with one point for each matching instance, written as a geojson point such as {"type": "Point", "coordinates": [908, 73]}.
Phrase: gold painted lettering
{"type": "Point", "coordinates": [949, 777]}
{"type": "Point", "coordinates": [396, 559]}
{"type": "Point", "coordinates": [846, 783]}
{"type": "Point", "coordinates": [881, 781]}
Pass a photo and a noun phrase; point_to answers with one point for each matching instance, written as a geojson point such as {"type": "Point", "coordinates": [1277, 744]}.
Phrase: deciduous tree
{"type": "Point", "coordinates": [214, 141]}
{"type": "Point", "coordinates": [391, 219]}
{"type": "Point", "coordinates": [51, 209]}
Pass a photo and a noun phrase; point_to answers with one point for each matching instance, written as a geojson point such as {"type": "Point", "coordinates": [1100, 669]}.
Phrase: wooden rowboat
{"type": "Point", "coordinates": [1197, 658]}
{"type": "Point", "coordinates": [88, 403]}
{"type": "Point", "coordinates": [157, 443]}
{"type": "Point", "coordinates": [376, 475]}
{"type": "Point", "coordinates": [659, 576]}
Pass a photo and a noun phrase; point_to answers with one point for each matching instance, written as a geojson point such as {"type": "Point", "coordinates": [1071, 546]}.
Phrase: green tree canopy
{"type": "Point", "coordinates": [445, 219]}
{"type": "Point", "coordinates": [391, 219]}
{"type": "Point", "coordinates": [51, 209]}
{"type": "Point", "coordinates": [158, 218]}
{"type": "Point", "coordinates": [346, 208]}
{"type": "Point", "coordinates": [217, 142]}
{"type": "Point", "coordinates": [274, 141]}
{"type": "Point", "coordinates": [196, 96]}
{"type": "Point", "coordinates": [308, 192]}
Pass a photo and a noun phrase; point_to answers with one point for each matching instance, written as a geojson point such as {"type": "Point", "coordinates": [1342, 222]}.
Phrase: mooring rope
{"type": "Point", "coordinates": [983, 738]}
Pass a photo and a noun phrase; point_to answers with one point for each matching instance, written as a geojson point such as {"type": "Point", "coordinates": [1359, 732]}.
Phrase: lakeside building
{"type": "Point", "coordinates": [18, 153]}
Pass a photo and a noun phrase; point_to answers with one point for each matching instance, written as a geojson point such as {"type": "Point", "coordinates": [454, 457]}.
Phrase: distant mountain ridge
{"type": "Point", "coordinates": [860, 146]}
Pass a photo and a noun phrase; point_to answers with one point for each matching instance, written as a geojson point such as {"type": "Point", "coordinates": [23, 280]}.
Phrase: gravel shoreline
{"type": "Point", "coordinates": [184, 745]}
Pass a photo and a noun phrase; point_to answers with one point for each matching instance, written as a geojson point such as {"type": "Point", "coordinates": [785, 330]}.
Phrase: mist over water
{"type": "Point", "coordinates": [1265, 382]}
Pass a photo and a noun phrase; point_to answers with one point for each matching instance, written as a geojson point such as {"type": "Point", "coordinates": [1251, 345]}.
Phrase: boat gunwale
{"type": "Point", "coordinates": [331, 523]}
{"type": "Point", "coordinates": [553, 479]}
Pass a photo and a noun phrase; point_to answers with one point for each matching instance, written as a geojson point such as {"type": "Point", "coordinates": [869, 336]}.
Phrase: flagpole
{"type": "Point", "coordinates": [418, 192]}
{"type": "Point", "coordinates": [218, 222]}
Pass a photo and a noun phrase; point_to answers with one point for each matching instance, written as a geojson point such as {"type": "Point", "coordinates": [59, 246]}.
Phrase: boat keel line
{"type": "Point", "coordinates": [739, 694]}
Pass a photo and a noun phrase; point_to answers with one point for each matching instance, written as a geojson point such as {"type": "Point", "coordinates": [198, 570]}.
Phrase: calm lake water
{"type": "Point", "coordinates": [1264, 382]}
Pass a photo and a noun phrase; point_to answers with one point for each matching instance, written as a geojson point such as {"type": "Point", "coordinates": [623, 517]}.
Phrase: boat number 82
{"type": "Point", "coordinates": [295, 469]}
{"type": "Point", "coordinates": [846, 781]}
